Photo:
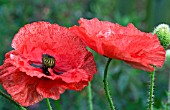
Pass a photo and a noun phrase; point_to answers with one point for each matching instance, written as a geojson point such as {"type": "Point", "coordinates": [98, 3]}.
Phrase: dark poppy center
{"type": "Point", "coordinates": [48, 61]}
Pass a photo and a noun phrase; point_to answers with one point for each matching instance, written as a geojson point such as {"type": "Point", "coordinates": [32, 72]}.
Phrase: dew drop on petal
{"type": "Point", "coordinates": [22, 95]}
{"type": "Point", "coordinates": [104, 33]}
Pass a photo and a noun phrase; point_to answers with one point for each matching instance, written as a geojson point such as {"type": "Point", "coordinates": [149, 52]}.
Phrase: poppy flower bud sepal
{"type": "Point", "coordinates": [163, 33]}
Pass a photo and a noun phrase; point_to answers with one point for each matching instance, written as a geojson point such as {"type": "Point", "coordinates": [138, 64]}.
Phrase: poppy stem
{"type": "Point", "coordinates": [151, 96]}
{"type": "Point", "coordinates": [168, 104]}
{"type": "Point", "coordinates": [106, 88]}
{"type": "Point", "coordinates": [48, 104]}
{"type": "Point", "coordinates": [57, 104]}
{"type": "Point", "coordinates": [11, 100]}
{"type": "Point", "coordinates": [90, 97]}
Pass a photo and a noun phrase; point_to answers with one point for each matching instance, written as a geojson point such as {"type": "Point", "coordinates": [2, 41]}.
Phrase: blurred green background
{"type": "Point", "coordinates": [128, 86]}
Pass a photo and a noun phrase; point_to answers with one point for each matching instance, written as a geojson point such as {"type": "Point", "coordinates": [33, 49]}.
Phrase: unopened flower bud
{"type": "Point", "coordinates": [163, 33]}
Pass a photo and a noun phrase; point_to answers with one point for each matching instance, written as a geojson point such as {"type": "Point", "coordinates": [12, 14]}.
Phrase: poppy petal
{"type": "Point", "coordinates": [22, 88]}
{"type": "Point", "coordinates": [139, 49]}
{"type": "Point", "coordinates": [50, 89]}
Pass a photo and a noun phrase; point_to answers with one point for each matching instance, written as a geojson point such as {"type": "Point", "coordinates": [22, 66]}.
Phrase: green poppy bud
{"type": "Point", "coordinates": [163, 33]}
{"type": "Point", "coordinates": [168, 55]}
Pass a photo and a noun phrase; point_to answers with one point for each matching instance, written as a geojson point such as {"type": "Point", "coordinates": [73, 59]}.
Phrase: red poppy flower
{"type": "Point", "coordinates": [140, 50]}
{"type": "Point", "coordinates": [47, 59]}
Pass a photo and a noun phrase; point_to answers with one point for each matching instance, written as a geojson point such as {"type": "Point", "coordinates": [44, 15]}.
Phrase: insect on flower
{"type": "Point", "coordinates": [47, 62]}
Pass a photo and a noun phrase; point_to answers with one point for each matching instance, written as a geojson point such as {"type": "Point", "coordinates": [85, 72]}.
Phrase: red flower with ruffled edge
{"type": "Point", "coordinates": [140, 50]}
{"type": "Point", "coordinates": [47, 59]}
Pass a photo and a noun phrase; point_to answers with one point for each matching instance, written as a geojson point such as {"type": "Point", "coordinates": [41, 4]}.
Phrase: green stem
{"type": "Point", "coordinates": [11, 100]}
{"type": "Point", "coordinates": [168, 104]}
{"type": "Point", "coordinates": [57, 104]}
{"type": "Point", "coordinates": [90, 97]}
{"type": "Point", "coordinates": [151, 96]}
{"type": "Point", "coordinates": [48, 104]}
{"type": "Point", "coordinates": [106, 85]}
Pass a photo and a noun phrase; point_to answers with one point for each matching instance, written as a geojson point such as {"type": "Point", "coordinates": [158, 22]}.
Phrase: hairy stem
{"type": "Point", "coordinates": [11, 100]}
{"type": "Point", "coordinates": [151, 96]}
{"type": "Point", "coordinates": [90, 97]}
{"type": "Point", "coordinates": [48, 104]}
{"type": "Point", "coordinates": [109, 98]}
{"type": "Point", "coordinates": [168, 104]}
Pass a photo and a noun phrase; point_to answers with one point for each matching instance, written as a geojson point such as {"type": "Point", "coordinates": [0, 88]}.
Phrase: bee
{"type": "Point", "coordinates": [47, 62]}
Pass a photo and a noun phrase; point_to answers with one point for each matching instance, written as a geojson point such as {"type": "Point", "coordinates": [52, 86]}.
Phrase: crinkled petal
{"type": "Point", "coordinates": [139, 53]}
{"type": "Point", "coordinates": [59, 42]}
{"type": "Point", "coordinates": [139, 49]}
{"type": "Point", "coordinates": [75, 86]}
{"type": "Point", "coordinates": [28, 90]}
{"type": "Point", "coordinates": [23, 64]}
{"type": "Point", "coordinates": [50, 89]}
{"type": "Point", "coordinates": [22, 88]}
{"type": "Point", "coordinates": [89, 65]}
{"type": "Point", "coordinates": [74, 76]}
{"type": "Point", "coordinates": [6, 70]}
